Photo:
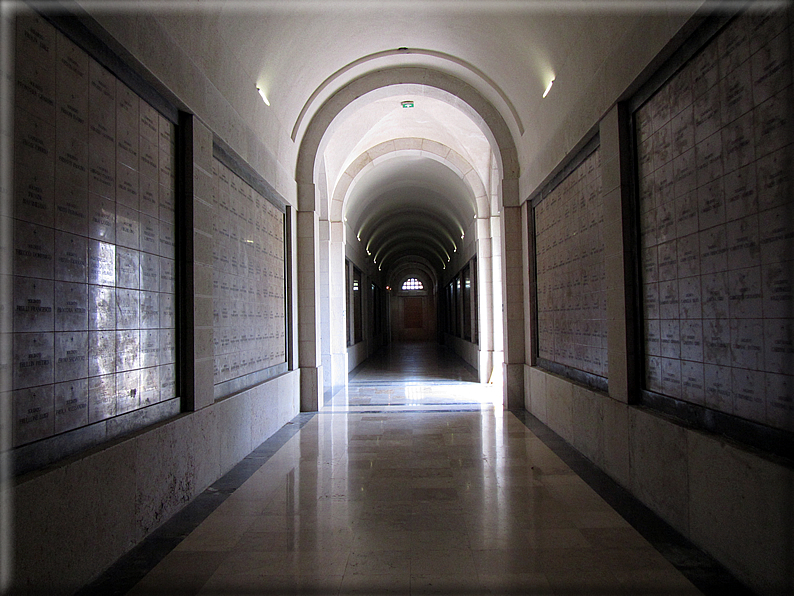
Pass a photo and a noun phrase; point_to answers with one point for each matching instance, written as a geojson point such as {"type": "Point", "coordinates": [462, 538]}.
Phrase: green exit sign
{"type": "Point", "coordinates": [408, 104]}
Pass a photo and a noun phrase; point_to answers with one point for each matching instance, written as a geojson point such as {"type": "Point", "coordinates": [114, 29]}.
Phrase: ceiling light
{"type": "Point", "coordinates": [262, 95]}
{"type": "Point", "coordinates": [548, 88]}
{"type": "Point", "coordinates": [408, 103]}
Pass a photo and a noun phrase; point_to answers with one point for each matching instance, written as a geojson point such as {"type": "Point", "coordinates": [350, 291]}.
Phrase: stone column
{"type": "Point", "coordinates": [616, 179]}
{"type": "Point", "coordinates": [485, 289]}
{"type": "Point", "coordinates": [308, 283]}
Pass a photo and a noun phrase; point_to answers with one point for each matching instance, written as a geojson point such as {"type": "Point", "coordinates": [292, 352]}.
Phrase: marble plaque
{"type": "Point", "coordinates": [738, 140]}
{"type": "Point", "coordinates": [779, 390]}
{"type": "Point", "coordinates": [167, 310]}
{"type": "Point", "coordinates": [689, 293]}
{"type": "Point", "coordinates": [167, 375]}
{"type": "Point", "coordinates": [127, 350]}
{"type": "Point", "coordinates": [167, 202]}
{"type": "Point", "coordinates": [33, 305]}
{"type": "Point", "coordinates": [101, 307]}
{"type": "Point", "coordinates": [745, 293]}
{"type": "Point", "coordinates": [127, 391]}
{"type": "Point", "coordinates": [33, 194]}
{"type": "Point", "coordinates": [149, 122]}
{"type": "Point", "coordinates": [71, 161]}
{"type": "Point", "coordinates": [670, 335]}
{"type": "Point", "coordinates": [150, 272]}
{"type": "Point", "coordinates": [101, 218]}
{"type": "Point", "coordinates": [692, 381]}
{"type": "Point", "coordinates": [150, 234]}
{"type": "Point", "coordinates": [128, 227]}
{"type": "Point", "coordinates": [32, 414]}
{"type": "Point", "coordinates": [128, 268]}
{"type": "Point", "coordinates": [71, 89]}
{"type": "Point", "coordinates": [101, 353]}
{"type": "Point", "coordinates": [101, 397]}
{"type": "Point", "coordinates": [692, 340]}
{"type": "Point", "coordinates": [167, 241]}
{"type": "Point", "coordinates": [71, 306]}
{"type": "Point", "coordinates": [778, 290]}
{"type": "Point", "coordinates": [688, 253]}
{"type": "Point", "coordinates": [71, 405]}
{"type": "Point", "coordinates": [167, 346]}
{"type": "Point", "coordinates": [150, 310]}
{"type": "Point", "coordinates": [149, 196]}
{"type": "Point", "coordinates": [150, 348]}
{"type": "Point", "coordinates": [149, 158]}
{"type": "Point", "coordinates": [718, 387]}
{"type": "Point", "coordinates": [101, 263]}
{"type": "Point", "coordinates": [773, 181]}
{"type": "Point", "coordinates": [748, 393]}
{"type": "Point", "coordinates": [71, 257]}
{"type": "Point", "coordinates": [127, 187]}
{"type": "Point", "coordinates": [71, 355]}
{"type": "Point", "coordinates": [35, 87]}
{"type": "Point", "coordinates": [149, 386]}
{"type": "Point", "coordinates": [127, 309]}
{"type": "Point", "coordinates": [102, 116]}
{"type": "Point", "coordinates": [713, 250]}
{"type": "Point", "coordinates": [747, 343]}
{"type": "Point", "coordinates": [33, 250]}
{"type": "Point", "coordinates": [717, 342]}
{"type": "Point", "coordinates": [741, 197]}
{"type": "Point", "coordinates": [778, 345]}
{"type": "Point", "coordinates": [101, 171]}
{"type": "Point", "coordinates": [127, 120]}
{"type": "Point", "coordinates": [32, 359]}
{"type": "Point", "coordinates": [71, 210]}
{"type": "Point", "coordinates": [671, 377]}
{"type": "Point", "coordinates": [777, 243]}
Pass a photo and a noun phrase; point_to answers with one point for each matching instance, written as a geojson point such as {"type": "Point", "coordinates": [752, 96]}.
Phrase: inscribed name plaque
{"type": "Point", "coordinates": [716, 234]}
{"type": "Point", "coordinates": [93, 178]}
{"type": "Point", "coordinates": [571, 279]}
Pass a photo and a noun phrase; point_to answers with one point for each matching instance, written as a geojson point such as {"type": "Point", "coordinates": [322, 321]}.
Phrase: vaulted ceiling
{"type": "Point", "coordinates": [300, 52]}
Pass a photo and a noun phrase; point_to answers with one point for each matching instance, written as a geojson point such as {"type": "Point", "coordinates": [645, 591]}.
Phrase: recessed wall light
{"type": "Point", "coordinates": [262, 95]}
{"type": "Point", "coordinates": [548, 87]}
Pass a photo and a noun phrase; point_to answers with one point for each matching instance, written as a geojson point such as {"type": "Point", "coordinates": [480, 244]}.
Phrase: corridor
{"type": "Point", "coordinates": [412, 482]}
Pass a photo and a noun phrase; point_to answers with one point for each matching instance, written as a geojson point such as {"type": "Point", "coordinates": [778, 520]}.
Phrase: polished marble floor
{"type": "Point", "coordinates": [414, 481]}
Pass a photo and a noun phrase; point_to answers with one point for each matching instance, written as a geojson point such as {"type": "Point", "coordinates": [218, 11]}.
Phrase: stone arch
{"type": "Point", "coordinates": [408, 146]}
{"type": "Point", "coordinates": [471, 102]}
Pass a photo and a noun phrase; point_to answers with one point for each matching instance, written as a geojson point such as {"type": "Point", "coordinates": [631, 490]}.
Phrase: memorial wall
{"type": "Point", "coordinates": [714, 171]}
{"type": "Point", "coordinates": [249, 284]}
{"type": "Point", "coordinates": [93, 246]}
{"type": "Point", "coordinates": [570, 274]}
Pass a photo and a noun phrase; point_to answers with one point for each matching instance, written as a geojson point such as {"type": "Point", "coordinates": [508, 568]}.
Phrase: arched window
{"type": "Point", "coordinates": [412, 284]}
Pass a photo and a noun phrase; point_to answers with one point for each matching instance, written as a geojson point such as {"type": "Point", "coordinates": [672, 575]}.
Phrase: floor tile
{"type": "Point", "coordinates": [410, 481]}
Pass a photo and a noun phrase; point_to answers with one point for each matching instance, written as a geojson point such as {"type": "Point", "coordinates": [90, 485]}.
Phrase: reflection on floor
{"type": "Point", "coordinates": [412, 482]}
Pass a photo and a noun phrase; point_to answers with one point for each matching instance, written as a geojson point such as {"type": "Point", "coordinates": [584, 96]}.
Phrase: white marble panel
{"type": "Point", "coordinates": [33, 193]}
{"type": "Point", "coordinates": [32, 414]}
{"type": "Point", "coordinates": [70, 405]}
{"type": "Point", "coordinates": [31, 362]}
{"type": "Point", "coordinates": [101, 218]}
{"type": "Point", "coordinates": [71, 356]}
{"type": "Point", "coordinates": [71, 306]}
{"type": "Point", "coordinates": [71, 257]}
{"type": "Point", "coordinates": [101, 397]}
{"type": "Point", "coordinates": [33, 250]}
{"type": "Point", "coordinates": [33, 305]}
